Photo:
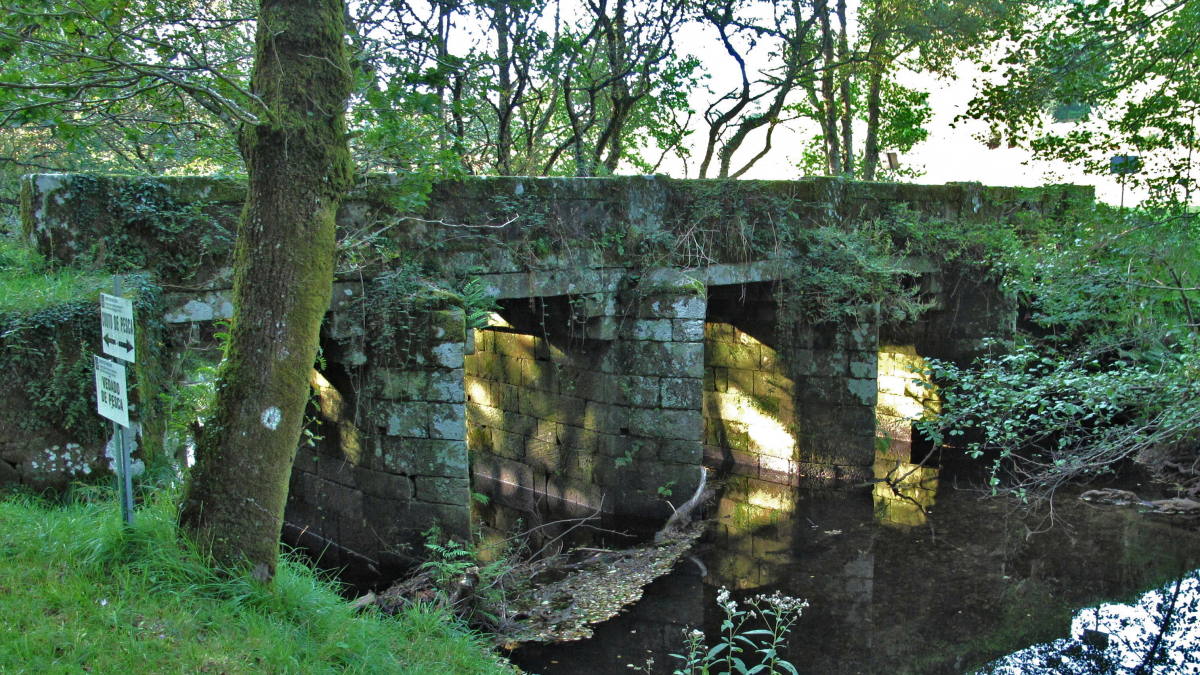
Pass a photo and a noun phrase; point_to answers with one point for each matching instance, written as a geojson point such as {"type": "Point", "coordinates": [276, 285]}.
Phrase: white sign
{"type": "Point", "coordinates": [116, 326]}
{"type": "Point", "coordinates": [112, 401]}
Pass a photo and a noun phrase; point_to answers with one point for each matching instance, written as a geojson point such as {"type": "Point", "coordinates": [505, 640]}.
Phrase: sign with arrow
{"type": "Point", "coordinates": [116, 327]}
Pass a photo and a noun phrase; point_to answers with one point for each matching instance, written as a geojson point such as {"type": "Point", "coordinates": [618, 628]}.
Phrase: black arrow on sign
{"type": "Point", "coordinates": [127, 346]}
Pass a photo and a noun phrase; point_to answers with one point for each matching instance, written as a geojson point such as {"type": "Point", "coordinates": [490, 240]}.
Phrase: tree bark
{"type": "Point", "coordinates": [829, 107]}
{"type": "Point", "coordinates": [847, 102]}
{"type": "Point", "coordinates": [871, 147]}
{"type": "Point", "coordinates": [299, 166]}
{"type": "Point", "coordinates": [505, 106]}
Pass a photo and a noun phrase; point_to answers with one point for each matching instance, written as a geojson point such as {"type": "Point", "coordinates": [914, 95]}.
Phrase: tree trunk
{"type": "Point", "coordinates": [871, 146]}
{"type": "Point", "coordinates": [506, 104]}
{"type": "Point", "coordinates": [847, 102]}
{"type": "Point", "coordinates": [299, 166]}
{"type": "Point", "coordinates": [829, 107]}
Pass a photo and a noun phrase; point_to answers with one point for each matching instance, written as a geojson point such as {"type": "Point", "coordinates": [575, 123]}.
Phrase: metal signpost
{"type": "Point", "coordinates": [1123, 165]}
{"type": "Point", "coordinates": [112, 396]}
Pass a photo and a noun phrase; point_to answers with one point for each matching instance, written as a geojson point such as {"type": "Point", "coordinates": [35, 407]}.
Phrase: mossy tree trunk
{"type": "Point", "coordinates": [299, 167]}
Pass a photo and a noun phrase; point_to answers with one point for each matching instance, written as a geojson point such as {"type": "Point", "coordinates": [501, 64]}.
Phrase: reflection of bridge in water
{"type": "Point", "coordinates": [967, 585]}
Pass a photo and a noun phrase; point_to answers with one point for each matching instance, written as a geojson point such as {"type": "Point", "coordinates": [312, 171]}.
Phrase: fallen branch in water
{"type": "Point", "coordinates": [1178, 506]}
{"type": "Point", "coordinates": [554, 598]}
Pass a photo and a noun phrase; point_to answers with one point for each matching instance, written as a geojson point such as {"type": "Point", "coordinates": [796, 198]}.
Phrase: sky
{"type": "Point", "coordinates": [951, 153]}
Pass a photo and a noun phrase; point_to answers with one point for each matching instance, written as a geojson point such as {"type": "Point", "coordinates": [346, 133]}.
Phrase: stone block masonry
{"type": "Point", "coordinates": [564, 425]}
{"type": "Point", "coordinates": [790, 404]}
{"type": "Point", "coordinates": [388, 458]}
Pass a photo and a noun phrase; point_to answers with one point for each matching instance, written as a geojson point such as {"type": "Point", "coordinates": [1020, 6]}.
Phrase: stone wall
{"type": "Point", "coordinates": [964, 313]}
{"type": "Point", "coordinates": [574, 415]}
{"type": "Point", "coordinates": [388, 458]}
{"type": "Point", "coordinates": [787, 403]}
{"type": "Point", "coordinates": [93, 220]}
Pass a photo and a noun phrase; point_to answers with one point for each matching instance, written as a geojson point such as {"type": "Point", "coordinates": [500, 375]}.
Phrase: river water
{"type": "Point", "coordinates": [932, 580]}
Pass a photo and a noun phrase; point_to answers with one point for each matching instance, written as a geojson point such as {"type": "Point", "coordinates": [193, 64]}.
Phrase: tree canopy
{"type": "Point", "coordinates": [505, 87]}
{"type": "Point", "coordinates": [1121, 76]}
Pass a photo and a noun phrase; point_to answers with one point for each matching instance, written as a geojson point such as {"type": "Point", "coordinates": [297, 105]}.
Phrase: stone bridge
{"type": "Point", "coordinates": [643, 328]}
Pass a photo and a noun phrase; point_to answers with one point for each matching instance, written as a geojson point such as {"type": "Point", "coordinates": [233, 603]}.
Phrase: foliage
{"type": "Point", "coordinates": [852, 84]}
{"type": "Point", "coordinates": [585, 89]}
{"type": "Point", "coordinates": [181, 234]}
{"type": "Point", "coordinates": [842, 270]}
{"type": "Point", "coordinates": [83, 592]}
{"type": "Point", "coordinates": [776, 612]}
{"type": "Point", "coordinates": [832, 271]}
{"type": "Point", "coordinates": [394, 299]}
{"type": "Point", "coordinates": [1107, 368]}
{"type": "Point", "coordinates": [1131, 64]}
{"type": "Point", "coordinates": [448, 560]}
{"type": "Point", "coordinates": [187, 403]}
{"type": "Point", "coordinates": [147, 82]}
{"type": "Point", "coordinates": [1112, 279]}
{"type": "Point", "coordinates": [548, 90]}
{"type": "Point", "coordinates": [1049, 418]}
{"type": "Point", "coordinates": [902, 115]}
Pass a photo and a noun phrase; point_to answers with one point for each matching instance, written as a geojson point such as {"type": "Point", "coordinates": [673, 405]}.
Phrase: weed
{"type": "Point", "coordinates": [447, 561]}
{"type": "Point", "coordinates": [776, 612]}
{"type": "Point", "coordinates": [83, 593]}
{"type": "Point", "coordinates": [627, 459]}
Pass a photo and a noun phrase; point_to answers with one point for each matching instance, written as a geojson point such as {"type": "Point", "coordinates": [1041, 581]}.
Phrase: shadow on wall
{"type": "Point", "coordinates": [563, 425]}
{"type": "Point", "coordinates": [750, 424]}
{"type": "Point", "coordinates": [786, 401]}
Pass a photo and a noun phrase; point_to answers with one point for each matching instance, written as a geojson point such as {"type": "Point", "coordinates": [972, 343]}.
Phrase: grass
{"type": "Point", "coordinates": [81, 594]}
{"type": "Point", "coordinates": [28, 283]}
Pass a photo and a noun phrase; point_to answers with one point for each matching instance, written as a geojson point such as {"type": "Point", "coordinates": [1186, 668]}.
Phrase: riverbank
{"type": "Point", "coordinates": [81, 594]}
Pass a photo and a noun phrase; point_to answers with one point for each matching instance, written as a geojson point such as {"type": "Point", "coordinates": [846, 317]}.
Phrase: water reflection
{"type": "Point", "coordinates": [1159, 633]}
{"type": "Point", "coordinates": [905, 487]}
{"type": "Point", "coordinates": [965, 587]}
{"type": "Point", "coordinates": [904, 492]}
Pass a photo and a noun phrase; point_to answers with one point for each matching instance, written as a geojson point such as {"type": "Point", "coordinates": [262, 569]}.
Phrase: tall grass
{"type": "Point", "coordinates": [81, 594]}
{"type": "Point", "coordinates": [28, 283]}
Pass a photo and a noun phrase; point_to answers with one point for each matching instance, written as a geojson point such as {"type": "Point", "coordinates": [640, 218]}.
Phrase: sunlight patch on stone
{"type": "Point", "coordinates": [768, 436]}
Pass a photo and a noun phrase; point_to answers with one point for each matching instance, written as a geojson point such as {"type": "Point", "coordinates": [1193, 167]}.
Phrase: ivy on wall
{"type": "Point", "coordinates": [46, 360]}
{"type": "Point", "coordinates": [172, 228]}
